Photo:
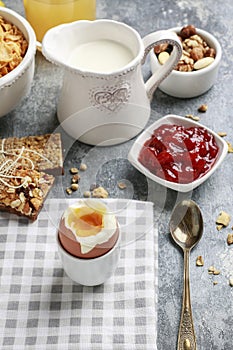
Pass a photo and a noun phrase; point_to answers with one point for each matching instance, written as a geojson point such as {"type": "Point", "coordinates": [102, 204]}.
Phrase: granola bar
{"type": "Point", "coordinates": [23, 192]}
{"type": "Point", "coordinates": [45, 151]}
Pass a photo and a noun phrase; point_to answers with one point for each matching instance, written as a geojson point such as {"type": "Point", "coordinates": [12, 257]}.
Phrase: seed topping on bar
{"type": "Point", "coordinates": [22, 189]}
{"type": "Point", "coordinates": [25, 193]}
{"type": "Point", "coordinates": [44, 151]}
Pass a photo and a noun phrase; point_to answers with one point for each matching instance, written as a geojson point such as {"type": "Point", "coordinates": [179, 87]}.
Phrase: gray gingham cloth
{"type": "Point", "coordinates": [41, 308]}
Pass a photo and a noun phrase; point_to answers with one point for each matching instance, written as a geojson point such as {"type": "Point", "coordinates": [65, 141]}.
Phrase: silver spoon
{"type": "Point", "coordinates": [186, 227]}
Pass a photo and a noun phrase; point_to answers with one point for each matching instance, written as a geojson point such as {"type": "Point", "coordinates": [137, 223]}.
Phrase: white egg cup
{"type": "Point", "coordinates": [90, 272]}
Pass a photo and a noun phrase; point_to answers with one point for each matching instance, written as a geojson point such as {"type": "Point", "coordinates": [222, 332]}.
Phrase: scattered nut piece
{"type": "Point", "coordinates": [215, 283]}
{"type": "Point", "coordinates": [231, 282]}
{"type": "Point", "coordinates": [74, 187]}
{"type": "Point", "coordinates": [219, 227]}
{"type": "Point", "coordinates": [68, 190]}
{"type": "Point", "coordinates": [87, 194]}
{"type": "Point", "coordinates": [74, 171]}
{"type": "Point", "coordinates": [202, 108]}
{"type": "Point", "coordinates": [223, 219]}
{"type": "Point", "coordinates": [230, 238]}
{"type": "Point", "coordinates": [75, 178]}
{"type": "Point", "coordinates": [100, 192]}
{"type": "Point", "coordinates": [83, 167]}
{"type": "Point", "coordinates": [193, 117]}
{"type": "Point", "coordinates": [230, 147]}
{"type": "Point", "coordinates": [211, 269]}
{"type": "Point", "coordinates": [200, 261]}
{"type": "Point", "coordinates": [163, 57]}
{"type": "Point", "coordinates": [222, 134]}
{"type": "Point", "coordinates": [121, 185]}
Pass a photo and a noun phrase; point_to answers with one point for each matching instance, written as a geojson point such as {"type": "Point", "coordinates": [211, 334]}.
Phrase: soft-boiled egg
{"type": "Point", "coordinates": [88, 229]}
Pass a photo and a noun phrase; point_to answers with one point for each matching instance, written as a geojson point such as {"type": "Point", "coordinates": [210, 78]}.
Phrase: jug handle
{"type": "Point", "coordinates": [157, 38]}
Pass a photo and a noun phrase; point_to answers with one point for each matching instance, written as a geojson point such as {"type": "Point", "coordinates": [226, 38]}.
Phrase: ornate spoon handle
{"type": "Point", "coordinates": [186, 337]}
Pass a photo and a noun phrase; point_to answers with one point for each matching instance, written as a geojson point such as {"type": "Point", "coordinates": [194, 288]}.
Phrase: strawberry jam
{"type": "Point", "coordinates": [179, 154]}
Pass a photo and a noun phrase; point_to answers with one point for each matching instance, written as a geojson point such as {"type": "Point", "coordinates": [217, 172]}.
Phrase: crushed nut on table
{"type": "Point", "coordinates": [223, 219]}
{"type": "Point", "coordinates": [68, 190]}
{"type": "Point", "coordinates": [193, 117]}
{"type": "Point", "coordinates": [75, 178]}
{"type": "Point", "coordinates": [121, 185]}
{"type": "Point", "coordinates": [99, 192]}
{"type": "Point", "coordinates": [222, 134]}
{"type": "Point", "coordinates": [230, 147]}
{"type": "Point", "coordinates": [202, 108]}
{"type": "Point", "coordinates": [83, 167]}
{"type": "Point", "coordinates": [87, 194]}
{"type": "Point", "coordinates": [230, 238]}
{"type": "Point", "coordinates": [231, 282]}
{"type": "Point", "coordinates": [213, 271]}
{"type": "Point", "coordinates": [199, 261]}
{"type": "Point", "coordinates": [74, 171]}
{"type": "Point", "coordinates": [74, 187]}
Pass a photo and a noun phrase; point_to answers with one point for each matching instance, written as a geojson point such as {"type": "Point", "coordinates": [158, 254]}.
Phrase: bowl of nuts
{"type": "Point", "coordinates": [197, 70]}
{"type": "Point", "coordinates": [17, 59]}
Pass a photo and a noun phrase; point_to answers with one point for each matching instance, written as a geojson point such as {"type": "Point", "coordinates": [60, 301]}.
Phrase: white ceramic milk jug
{"type": "Point", "coordinates": [104, 100]}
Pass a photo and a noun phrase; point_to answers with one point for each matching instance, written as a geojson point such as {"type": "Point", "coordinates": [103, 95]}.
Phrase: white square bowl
{"type": "Point", "coordinates": [175, 119]}
{"type": "Point", "coordinates": [190, 84]}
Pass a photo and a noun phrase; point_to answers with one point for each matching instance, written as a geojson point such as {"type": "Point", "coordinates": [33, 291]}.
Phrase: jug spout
{"type": "Point", "coordinates": [60, 41]}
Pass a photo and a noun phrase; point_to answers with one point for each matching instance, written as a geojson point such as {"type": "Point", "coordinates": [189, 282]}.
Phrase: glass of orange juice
{"type": "Point", "coordinates": [45, 14]}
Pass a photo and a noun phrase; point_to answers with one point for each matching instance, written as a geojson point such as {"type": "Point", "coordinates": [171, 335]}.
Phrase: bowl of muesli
{"type": "Point", "coordinates": [17, 59]}
{"type": "Point", "coordinates": [198, 67]}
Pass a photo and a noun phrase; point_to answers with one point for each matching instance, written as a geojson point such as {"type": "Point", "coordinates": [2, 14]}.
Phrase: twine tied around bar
{"type": "Point", "coordinates": [10, 161]}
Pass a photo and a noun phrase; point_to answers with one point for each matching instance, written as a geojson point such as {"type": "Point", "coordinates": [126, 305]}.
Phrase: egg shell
{"type": "Point", "coordinates": [72, 246]}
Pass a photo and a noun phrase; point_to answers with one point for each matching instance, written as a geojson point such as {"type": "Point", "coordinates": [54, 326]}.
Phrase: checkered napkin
{"type": "Point", "coordinates": [41, 308]}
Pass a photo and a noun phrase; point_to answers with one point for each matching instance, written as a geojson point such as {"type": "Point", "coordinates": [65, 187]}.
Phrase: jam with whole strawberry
{"type": "Point", "coordinates": [179, 154]}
